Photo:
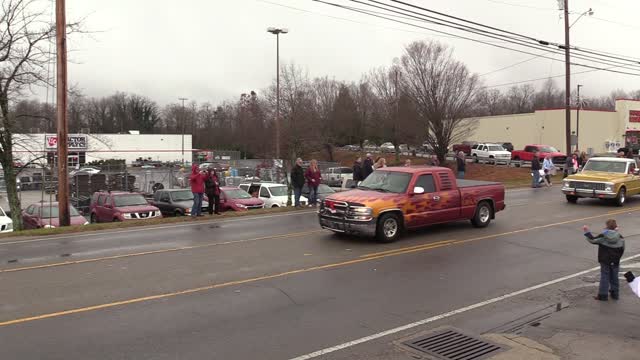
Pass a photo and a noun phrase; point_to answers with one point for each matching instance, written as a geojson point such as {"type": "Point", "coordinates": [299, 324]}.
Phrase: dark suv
{"type": "Point", "coordinates": [175, 202]}
{"type": "Point", "coordinates": [121, 206]}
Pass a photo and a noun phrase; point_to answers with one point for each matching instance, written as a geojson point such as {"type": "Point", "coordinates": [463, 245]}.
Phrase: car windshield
{"type": "Point", "coordinates": [548, 149]}
{"type": "Point", "coordinates": [325, 189]}
{"type": "Point", "coordinates": [606, 166]}
{"type": "Point", "coordinates": [2, 213]}
{"type": "Point", "coordinates": [49, 212]}
{"type": "Point", "coordinates": [278, 190]}
{"type": "Point", "coordinates": [129, 200]}
{"type": "Point", "coordinates": [496, 148]}
{"type": "Point", "coordinates": [237, 194]}
{"type": "Point", "coordinates": [183, 195]}
{"type": "Point", "coordinates": [386, 181]}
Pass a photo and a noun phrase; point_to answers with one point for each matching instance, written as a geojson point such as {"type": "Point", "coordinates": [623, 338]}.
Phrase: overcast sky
{"type": "Point", "coordinates": [213, 50]}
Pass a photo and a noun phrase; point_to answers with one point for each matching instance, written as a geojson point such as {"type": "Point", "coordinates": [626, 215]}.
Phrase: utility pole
{"type": "Point", "coordinates": [567, 60]}
{"type": "Point", "coordinates": [277, 33]}
{"type": "Point", "coordinates": [61, 48]}
{"type": "Point", "coordinates": [578, 119]}
{"type": "Point", "coordinates": [183, 123]}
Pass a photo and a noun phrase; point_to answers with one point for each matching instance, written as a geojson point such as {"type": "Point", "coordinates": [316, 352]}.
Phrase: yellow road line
{"type": "Point", "coordinates": [279, 275]}
{"type": "Point", "coordinates": [162, 251]}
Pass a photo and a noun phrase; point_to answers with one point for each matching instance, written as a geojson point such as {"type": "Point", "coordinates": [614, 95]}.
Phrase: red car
{"type": "Point", "coordinates": [45, 215]}
{"type": "Point", "coordinates": [236, 199]}
{"type": "Point", "coordinates": [557, 157]}
{"type": "Point", "coordinates": [121, 206]}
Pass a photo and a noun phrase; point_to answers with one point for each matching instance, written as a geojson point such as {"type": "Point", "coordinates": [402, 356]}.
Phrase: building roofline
{"type": "Point", "coordinates": [626, 99]}
{"type": "Point", "coordinates": [574, 108]}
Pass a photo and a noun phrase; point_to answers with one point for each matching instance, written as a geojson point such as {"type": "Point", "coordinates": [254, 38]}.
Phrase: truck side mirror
{"type": "Point", "coordinates": [636, 172]}
{"type": "Point", "coordinates": [418, 190]}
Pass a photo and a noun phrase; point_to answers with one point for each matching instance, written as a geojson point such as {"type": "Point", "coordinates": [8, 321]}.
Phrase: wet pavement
{"type": "Point", "coordinates": [278, 287]}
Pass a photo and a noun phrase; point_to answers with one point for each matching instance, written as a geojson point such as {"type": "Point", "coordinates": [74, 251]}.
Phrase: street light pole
{"type": "Point", "coordinates": [578, 119]}
{"type": "Point", "coordinates": [183, 121]}
{"type": "Point", "coordinates": [63, 180]}
{"type": "Point", "coordinates": [277, 32]}
{"type": "Point", "coordinates": [567, 59]}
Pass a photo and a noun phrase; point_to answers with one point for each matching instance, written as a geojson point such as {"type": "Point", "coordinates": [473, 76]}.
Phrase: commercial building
{"type": "Point", "coordinates": [598, 131]}
{"type": "Point", "coordinates": [85, 148]}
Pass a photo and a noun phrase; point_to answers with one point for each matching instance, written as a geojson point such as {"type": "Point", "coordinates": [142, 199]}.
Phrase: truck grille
{"type": "Point", "coordinates": [586, 185]}
{"type": "Point", "coordinates": [559, 160]}
{"type": "Point", "coordinates": [335, 208]}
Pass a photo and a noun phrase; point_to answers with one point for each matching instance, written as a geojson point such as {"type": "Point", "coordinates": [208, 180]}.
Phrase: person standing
{"type": "Point", "coordinates": [367, 168]}
{"type": "Point", "coordinates": [380, 163]}
{"type": "Point", "coordinates": [358, 171]}
{"type": "Point", "coordinates": [535, 169]}
{"type": "Point", "coordinates": [313, 180]}
{"type": "Point", "coordinates": [212, 188]}
{"type": "Point", "coordinates": [297, 181]}
{"type": "Point", "coordinates": [461, 164]}
{"type": "Point", "coordinates": [196, 180]}
{"type": "Point", "coordinates": [610, 249]}
{"type": "Point", "coordinates": [407, 163]}
{"type": "Point", "coordinates": [549, 169]}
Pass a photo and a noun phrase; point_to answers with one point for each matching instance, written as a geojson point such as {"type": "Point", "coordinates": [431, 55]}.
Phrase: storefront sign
{"type": "Point", "coordinates": [74, 142]}
{"type": "Point", "coordinates": [634, 116]}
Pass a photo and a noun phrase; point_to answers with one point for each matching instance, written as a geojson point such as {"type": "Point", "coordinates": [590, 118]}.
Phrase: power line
{"type": "Point", "coordinates": [510, 66]}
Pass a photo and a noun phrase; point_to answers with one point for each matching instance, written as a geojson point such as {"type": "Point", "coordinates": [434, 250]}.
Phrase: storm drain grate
{"type": "Point", "coordinates": [451, 344]}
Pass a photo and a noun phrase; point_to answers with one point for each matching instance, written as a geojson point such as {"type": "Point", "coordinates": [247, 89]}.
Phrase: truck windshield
{"type": "Point", "coordinates": [129, 200]}
{"type": "Point", "coordinates": [606, 166]}
{"type": "Point", "coordinates": [183, 195]}
{"type": "Point", "coordinates": [548, 149]}
{"type": "Point", "coordinates": [386, 181]}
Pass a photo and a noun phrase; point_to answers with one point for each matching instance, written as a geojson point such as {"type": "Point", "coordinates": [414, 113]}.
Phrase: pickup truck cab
{"type": "Point", "coordinates": [557, 157]}
{"type": "Point", "coordinates": [393, 199]}
{"type": "Point", "coordinates": [491, 152]}
{"type": "Point", "coordinates": [604, 178]}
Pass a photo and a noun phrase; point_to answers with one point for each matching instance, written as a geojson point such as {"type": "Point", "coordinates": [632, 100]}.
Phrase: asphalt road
{"type": "Point", "coordinates": [274, 287]}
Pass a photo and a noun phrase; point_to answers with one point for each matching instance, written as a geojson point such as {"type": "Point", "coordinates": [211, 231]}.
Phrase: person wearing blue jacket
{"type": "Point", "coordinates": [610, 249]}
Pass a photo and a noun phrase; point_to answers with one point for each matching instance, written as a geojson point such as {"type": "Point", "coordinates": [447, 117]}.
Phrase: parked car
{"type": "Point", "coordinates": [121, 206]}
{"type": "Point", "coordinates": [236, 199]}
{"type": "Point", "coordinates": [323, 191]}
{"type": "Point", "coordinates": [606, 178]}
{"type": "Point", "coordinates": [557, 157]}
{"type": "Point", "coordinates": [273, 195]}
{"type": "Point", "coordinates": [465, 147]}
{"type": "Point", "coordinates": [334, 176]}
{"type": "Point", "coordinates": [174, 202]}
{"type": "Point", "coordinates": [85, 170]}
{"type": "Point", "coordinates": [397, 198]}
{"type": "Point", "coordinates": [387, 148]}
{"type": "Point", "coordinates": [45, 215]}
{"type": "Point", "coordinates": [491, 152]}
{"type": "Point", "coordinates": [26, 183]}
{"type": "Point", "coordinates": [6, 224]}
{"type": "Point", "coordinates": [351, 148]}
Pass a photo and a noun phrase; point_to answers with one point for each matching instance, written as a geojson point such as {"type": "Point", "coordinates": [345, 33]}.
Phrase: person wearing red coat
{"type": "Point", "coordinates": [196, 180]}
{"type": "Point", "coordinates": [312, 175]}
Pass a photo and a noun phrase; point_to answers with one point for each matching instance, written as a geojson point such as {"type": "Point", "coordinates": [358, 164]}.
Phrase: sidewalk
{"type": "Point", "coordinates": [586, 330]}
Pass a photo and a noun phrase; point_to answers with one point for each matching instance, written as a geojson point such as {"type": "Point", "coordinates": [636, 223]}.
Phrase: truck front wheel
{"type": "Point", "coordinates": [572, 199]}
{"type": "Point", "coordinates": [389, 228]}
{"type": "Point", "coordinates": [482, 218]}
{"type": "Point", "coordinates": [622, 197]}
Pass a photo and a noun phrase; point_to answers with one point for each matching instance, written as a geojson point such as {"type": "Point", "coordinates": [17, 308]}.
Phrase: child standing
{"type": "Point", "coordinates": [610, 249]}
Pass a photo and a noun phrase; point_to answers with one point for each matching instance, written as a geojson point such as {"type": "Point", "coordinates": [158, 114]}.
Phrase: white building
{"type": "Point", "coordinates": [85, 148]}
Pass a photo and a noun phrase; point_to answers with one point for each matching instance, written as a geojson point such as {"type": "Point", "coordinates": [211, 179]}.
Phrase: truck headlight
{"type": "Point", "coordinates": [608, 187]}
{"type": "Point", "coordinates": [360, 213]}
{"type": "Point", "coordinates": [566, 183]}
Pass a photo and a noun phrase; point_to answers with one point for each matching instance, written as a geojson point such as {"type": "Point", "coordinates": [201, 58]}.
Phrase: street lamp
{"type": "Point", "coordinates": [183, 122]}
{"type": "Point", "coordinates": [588, 12]}
{"type": "Point", "coordinates": [277, 32]}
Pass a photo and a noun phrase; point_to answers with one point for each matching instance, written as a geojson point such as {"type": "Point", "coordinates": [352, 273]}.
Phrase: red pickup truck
{"type": "Point", "coordinates": [393, 199]}
{"type": "Point", "coordinates": [557, 157]}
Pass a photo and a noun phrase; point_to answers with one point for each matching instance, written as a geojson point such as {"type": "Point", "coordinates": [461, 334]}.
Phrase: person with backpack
{"type": "Point", "coordinates": [212, 188]}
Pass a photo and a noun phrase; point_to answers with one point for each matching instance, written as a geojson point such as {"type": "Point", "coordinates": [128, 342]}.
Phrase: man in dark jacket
{"type": "Point", "coordinates": [357, 171]}
{"type": "Point", "coordinates": [535, 169]}
{"type": "Point", "coordinates": [212, 188]}
{"type": "Point", "coordinates": [297, 181]}
{"type": "Point", "coordinates": [367, 168]}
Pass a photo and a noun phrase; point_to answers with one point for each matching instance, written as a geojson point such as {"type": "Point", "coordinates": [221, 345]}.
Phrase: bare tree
{"type": "Point", "coordinates": [520, 99]}
{"type": "Point", "coordinates": [443, 90]}
{"type": "Point", "coordinates": [491, 102]}
{"type": "Point", "coordinates": [325, 94]}
{"type": "Point", "coordinates": [25, 38]}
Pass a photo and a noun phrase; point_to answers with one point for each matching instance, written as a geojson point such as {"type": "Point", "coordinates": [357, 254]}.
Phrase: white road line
{"type": "Point", "coordinates": [448, 314]}
{"type": "Point", "coordinates": [152, 228]}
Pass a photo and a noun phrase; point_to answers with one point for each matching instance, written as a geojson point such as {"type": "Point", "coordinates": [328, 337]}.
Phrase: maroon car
{"type": "Point", "coordinates": [45, 215]}
{"type": "Point", "coordinates": [236, 199]}
{"type": "Point", "coordinates": [121, 206]}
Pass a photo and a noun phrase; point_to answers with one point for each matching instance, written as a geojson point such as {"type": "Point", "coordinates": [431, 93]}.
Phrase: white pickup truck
{"type": "Point", "coordinates": [490, 152]}
{"type": "Point", "coordinates": [334, 176]}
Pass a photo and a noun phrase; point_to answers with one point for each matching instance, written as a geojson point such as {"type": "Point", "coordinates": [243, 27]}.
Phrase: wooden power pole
{"type": "Point", "coordinates": [61, 48]}
{"type": "Point", "coordinates": [567, 94]}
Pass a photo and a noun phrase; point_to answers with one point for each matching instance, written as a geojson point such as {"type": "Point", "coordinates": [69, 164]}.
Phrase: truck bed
{"type": "Point", "coordinates": [471, 183]}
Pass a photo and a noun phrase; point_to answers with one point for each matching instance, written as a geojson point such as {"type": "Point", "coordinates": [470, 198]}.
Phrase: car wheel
{"type": "Point", "coordinates": [517, 160]}
{"type": "Point", "coordinates": [116, 220]}
{"type": "Point", "coordinates": [475, 158]}
{"type": "Point", "coordinates": [94, 220]}
{"type": "Point", "coordinates": [179, 213]}
{"type": "Point", "coordinates": [274, 206]}
{"type": "Point", "coordinates": [572, 199]}
{"type": "Point", "coordinates": [622, 197]}
{"type": "Point", "coordinates": [389, 228]}
{"type": "Point", "coordinates": [483, 215]}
